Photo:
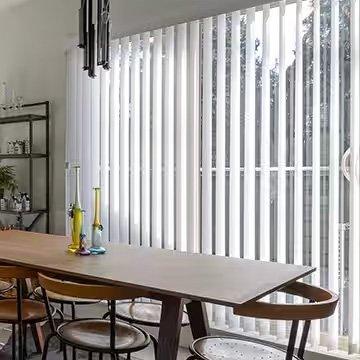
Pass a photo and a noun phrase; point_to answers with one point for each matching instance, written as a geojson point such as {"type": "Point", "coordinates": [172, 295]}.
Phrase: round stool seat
{"type": "Point", "coordinates": [33, 311]}
{"type": "Point", "coordinates": [227, 348]}
{"type": "Point", "coordinates": [5, 286]}
{"type": "Point", "coordinates": [94, 335]}
{"type": "Point", "coordinates": [57, 298]}
{"type": "Point", "coordinates": [143, 313]}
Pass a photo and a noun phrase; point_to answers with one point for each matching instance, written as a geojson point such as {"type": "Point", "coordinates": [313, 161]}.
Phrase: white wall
{"type": "Point", "coordinates": [33, 39]}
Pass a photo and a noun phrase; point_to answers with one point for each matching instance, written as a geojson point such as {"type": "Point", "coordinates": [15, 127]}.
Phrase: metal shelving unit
{"type": "Point", "coordinates": [30, 119]}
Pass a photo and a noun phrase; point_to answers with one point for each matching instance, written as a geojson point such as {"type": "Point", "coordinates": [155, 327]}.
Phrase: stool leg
{"type": "Point", "coordinates": [128, 357]}
{"type": "Point", "coordinates": [100, 356]}
{"type": "Point", "coordinates": [73, 353]}
{"type": "Point", "coordinates": [107, 314]}
{"type": "Point", "coordinates": [13, 342]}
{"type": "Point", "coordinates": [90, 355]}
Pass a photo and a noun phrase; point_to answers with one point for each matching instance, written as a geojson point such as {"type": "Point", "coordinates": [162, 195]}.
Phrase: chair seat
{"type": "Point", "coordinates": [143, 313]}
{"type": "Point", "coordinates": [57, 298]}
{"type": "Point", "coordinates": [94, 335]}
{"type": "Point", "coordinates": [33, 311]}
{"type": "Point", "coordinates": [227, 348]}
{"type": "Point", "coordinates": [5, 286]}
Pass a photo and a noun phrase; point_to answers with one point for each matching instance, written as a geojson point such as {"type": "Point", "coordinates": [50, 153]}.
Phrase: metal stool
{"type": "Point", "coordinates": [142, 313]}
{"type": "Point", "coordinates": [322, 305]}
{"type": "Point", "coordinates": [94, 335]}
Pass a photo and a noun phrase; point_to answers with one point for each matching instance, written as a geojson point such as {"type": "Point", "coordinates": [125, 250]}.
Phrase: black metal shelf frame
{"type": "Point", "coordinates": [30, 119]}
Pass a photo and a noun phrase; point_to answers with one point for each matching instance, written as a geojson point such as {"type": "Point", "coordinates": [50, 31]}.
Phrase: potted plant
{"type": "Point", "coordinates": [7, 179]}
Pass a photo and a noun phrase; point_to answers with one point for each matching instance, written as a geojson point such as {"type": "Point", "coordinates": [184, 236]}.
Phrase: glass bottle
{"type": "Point", "coordinates": [96, 243]}
{"type": "Point", "coordinates": [77, 216]}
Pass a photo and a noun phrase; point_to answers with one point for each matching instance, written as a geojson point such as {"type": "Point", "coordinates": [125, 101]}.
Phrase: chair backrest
{"type": "Point", "coordinates": [322, 305]}
{"type": "Point", "coordinates": [16, 272]}
{"type": "Point", "coordinates": [88, 290]}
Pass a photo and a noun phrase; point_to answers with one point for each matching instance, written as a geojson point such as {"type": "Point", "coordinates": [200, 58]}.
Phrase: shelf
{"type": "Point", "coordinates": [31, 212]}
{"type": "Point", "coordinates": [21, 118]}
{"type": "Point", "coordinates": [22, 156]}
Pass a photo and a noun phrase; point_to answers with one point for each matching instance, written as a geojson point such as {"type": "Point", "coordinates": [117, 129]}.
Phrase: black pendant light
{"type": "Point", "coordinates": [94, 39]}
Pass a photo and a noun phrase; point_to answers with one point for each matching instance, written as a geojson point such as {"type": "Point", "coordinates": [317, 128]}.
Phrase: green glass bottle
{"type": "Point", "coordinates": [76, 214]}
{"type": "Point", "coordinates": [96, 236]}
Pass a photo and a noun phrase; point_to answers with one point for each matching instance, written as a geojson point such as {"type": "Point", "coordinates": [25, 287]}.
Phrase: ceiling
{"type": "Point", "coordinates": [135, 16]}
{"type": "Point", "coordinates": [5, 4]}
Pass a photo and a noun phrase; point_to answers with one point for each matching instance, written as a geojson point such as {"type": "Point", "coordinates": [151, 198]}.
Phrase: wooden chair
{"type": "Point", "coordinates": [20, 312]}
{"type": "Point", "coordinates": [143, 313]}
{"type": "Point", "coordinates": [322, 305]}
{"type": "Point", "coordinates": [94, 335]}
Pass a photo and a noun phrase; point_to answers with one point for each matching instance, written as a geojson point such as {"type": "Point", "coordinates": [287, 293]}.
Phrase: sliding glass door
{"type": "Point", "coordinates": [236, 135]}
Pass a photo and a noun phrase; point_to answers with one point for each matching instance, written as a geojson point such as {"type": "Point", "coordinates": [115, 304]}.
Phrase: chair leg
{"type": "Point", "coordinates": [128, 357]}
{"type": "Point", "coordinates": [90, 355]}
{"type": "Point", "coordinates": [73, 353]}
{"type": "Point", "coordinates": [73, 311]}
{"type": "Point", "coordinates": [155, 344]}
{"type": "Point", "coordinates": [64, 352]}
{"type": "Point", "coordinates": [100, 356]}
{"type": "Point", "coordinates": [25, 338]}
{"type": "Point", "coordinates": [13, 342]}
{"type": "Point", "coordinates": [20, 341]}
{"type": "Point", "coordinates": [46, 346]}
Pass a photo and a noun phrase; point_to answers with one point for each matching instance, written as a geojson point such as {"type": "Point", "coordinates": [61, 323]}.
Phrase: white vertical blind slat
{"type": "Point", "coordinates": [194, 139]}
{"type": "Point", "coordinates": [71, 124]}
{"type": "Point", "coordinates": [281, 180]}
{"type": "Point", "coordinates": [265, 151]}
{"type": "Point", "coordinates": [334, 171]}
{"type": "Point", "coordinates": [298, 155]}
{"type": "Point", "coordinates": [135, 142]}
{"type": "Point", "coordinates": [316, 148]}
{"type": "Point", "coordinates": [249, 167]}
{"type": "Point", "coordinates": [104, 148]}
{"type": "Point", "coordinates": [207, 72]}
{"type": "Point", "coordinates": [207, 128]}
{"type": "Point", "coordinates": [146, 140]}
{"type": "Point", "coordinates": [157, 142]}
{"type": "Point", "coordinates": [169, 157]}
{"type": "Point", "coordinates": [220, 150]}
{"type": "Point", "coordinates": [124, 186]}
{"type": "Point", "coordinates": [354, 248]}
{"type": "Point", "coordinates": [86, 162]}
{"type": "Point", "coordinates": [181, 138]}
{"type": "Point", "coordinates": [234, 191]}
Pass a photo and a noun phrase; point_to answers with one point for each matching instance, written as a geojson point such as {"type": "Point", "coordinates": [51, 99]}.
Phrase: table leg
{"type": "Point", "coordinates": [170, 326]}
{"type": "Point", "coordinates": [198, 319]}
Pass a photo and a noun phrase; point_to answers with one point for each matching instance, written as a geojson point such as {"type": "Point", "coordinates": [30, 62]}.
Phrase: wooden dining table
{"type": "Point", "coordinates": [176, 278]}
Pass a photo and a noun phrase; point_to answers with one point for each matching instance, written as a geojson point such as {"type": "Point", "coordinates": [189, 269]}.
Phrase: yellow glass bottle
{"type": "Point", "coordinates": [96, 236]}
{"type": "Point", "coordinates": [77, 216]}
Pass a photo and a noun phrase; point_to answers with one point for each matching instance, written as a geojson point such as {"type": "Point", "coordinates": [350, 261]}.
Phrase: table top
{"type": "Point", "coordinates": [215, 279]}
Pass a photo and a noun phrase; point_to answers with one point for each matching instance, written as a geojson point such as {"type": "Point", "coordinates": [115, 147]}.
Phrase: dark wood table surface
{"type": "Point", "coordinates": [176, 278]}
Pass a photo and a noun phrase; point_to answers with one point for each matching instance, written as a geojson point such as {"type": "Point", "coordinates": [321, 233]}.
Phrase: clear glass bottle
{"type": "Point", "coordinates": [76, 214]}
{"type": "Point", "coordinates": [96, 236]}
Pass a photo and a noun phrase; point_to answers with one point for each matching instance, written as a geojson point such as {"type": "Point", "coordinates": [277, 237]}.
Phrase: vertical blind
{"type": "Point", "coordinates": [226, 136]}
